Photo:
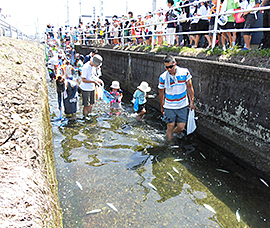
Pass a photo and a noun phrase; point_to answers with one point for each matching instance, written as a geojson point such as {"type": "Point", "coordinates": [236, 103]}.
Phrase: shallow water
{"type": "Point", "coordinates": [120, 161]}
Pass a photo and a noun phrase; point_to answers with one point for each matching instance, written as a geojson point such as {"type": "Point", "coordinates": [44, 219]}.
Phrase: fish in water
{"type": "Point", "coordinates": [174, 147]}
{"type": "Point", "coordinates": [82, 134]}
{"type": "Point", "coordinates": [175, 170]}
{"type": "Point", "coordinates": [112, 206]}
{"type": "Point", "coordinates": [208, 207]}
{"type": "Point", "coordinates": [264, 182]}
{"type": "Point", "coordinates": [99, 144]}
{"type": "Point", "coordinates": [79, 185]}
{"type": "Point", "coordinates": [237, 215]}
{"type": "Point", "coordinates": [152, 186]}
{"type": "Point", "coordinates": [178, 159]}
{"type": "Point", "coordinates": [222, 170]}
{"type": "Point", "coordinates": [202, 155]}
{"type": "Point", "coordinates": [93, 211]}
{"type": "Point", "coordinates": [171, 176]}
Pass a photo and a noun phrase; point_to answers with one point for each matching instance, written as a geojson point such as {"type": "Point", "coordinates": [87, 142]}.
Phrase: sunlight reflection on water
{"type": "Point", "coordinates": [121, 161]}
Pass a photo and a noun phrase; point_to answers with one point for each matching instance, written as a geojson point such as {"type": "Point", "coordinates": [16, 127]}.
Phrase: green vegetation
{"type": "Point", "coordinates": [255, 57]}
{"type": "Point", "coordinates": [217, 51]}
{"type": "Point", "coordinates": [238, 51]}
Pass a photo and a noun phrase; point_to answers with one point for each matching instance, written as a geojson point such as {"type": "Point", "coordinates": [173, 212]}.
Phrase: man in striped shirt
{"type": "Point", "coordinates": [175, 87]}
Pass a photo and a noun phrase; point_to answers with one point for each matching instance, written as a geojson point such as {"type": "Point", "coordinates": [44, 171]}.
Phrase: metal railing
{"type": "Point", "coordinates": [10, 31]}
{"type": "Point", "coordinates": [94, 37]}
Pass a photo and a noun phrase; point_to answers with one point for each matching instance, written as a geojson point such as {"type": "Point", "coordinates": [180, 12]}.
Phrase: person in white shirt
{"type": "Point", "coordinates": [203, 24]}
{"type": "Point", "coordinates": [193, 23]}
{"type": "Point", "coordinates": [89, 80]}
{"type": "Point", "coordinates": [160, 18]}
{"type": "Point", "coordinates": [170, 17]}
{"type": "Point", "coordinates": [149, 29]}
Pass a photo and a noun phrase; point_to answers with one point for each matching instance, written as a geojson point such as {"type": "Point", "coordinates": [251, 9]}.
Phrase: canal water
{"type": "Point", "coordinates": [115, 171]}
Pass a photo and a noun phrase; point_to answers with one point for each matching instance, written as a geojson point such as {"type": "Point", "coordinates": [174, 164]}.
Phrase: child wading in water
{"type": "Point", "coordinates": [116, 92]}
{"type": "Point", "coordinates": [141, 95]}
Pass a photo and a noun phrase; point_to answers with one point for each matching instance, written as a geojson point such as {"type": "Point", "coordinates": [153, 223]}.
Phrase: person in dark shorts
{"type": "Point", "coordinates": [175, 87]}
{"type": "Point", "coordinates": [89, 80]}
{"type": "Point", "coordinates": [203, 24]}
{"type": "Point", "coordinates": [250, 19]}
{"type": "Point", "coordinates": [266, 24]}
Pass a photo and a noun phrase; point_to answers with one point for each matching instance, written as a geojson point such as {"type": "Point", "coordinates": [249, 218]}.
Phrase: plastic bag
{"type": "Point", "coordinates": [99, 93]}
{"type": "Point", "coordinates": [191, 125]}
{"type": "Point", "coordinates": [107, 97]}
{"type": "Point", "coordinates": [136, 104]}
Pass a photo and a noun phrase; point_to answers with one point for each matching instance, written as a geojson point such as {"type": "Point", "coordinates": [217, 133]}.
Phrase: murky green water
{"type": "Point", "coordinates": [121, 161]}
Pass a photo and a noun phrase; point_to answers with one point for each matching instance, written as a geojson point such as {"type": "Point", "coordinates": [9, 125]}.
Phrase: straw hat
{"type": "Point", "coordinates": [144, 87]}
{"type": "Point", "coordinates": [115, 85]}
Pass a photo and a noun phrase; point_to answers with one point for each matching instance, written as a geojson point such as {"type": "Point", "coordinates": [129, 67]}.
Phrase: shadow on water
{"type": "Point", "coordinates": [118, 160]}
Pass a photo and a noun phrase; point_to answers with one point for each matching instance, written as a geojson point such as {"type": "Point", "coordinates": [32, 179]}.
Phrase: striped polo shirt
{"type": "Point", "coordinates": [176, 95]}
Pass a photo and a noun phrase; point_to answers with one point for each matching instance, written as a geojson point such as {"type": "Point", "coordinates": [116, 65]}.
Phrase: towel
{"type": "Point", "coordinates": [168, 78]}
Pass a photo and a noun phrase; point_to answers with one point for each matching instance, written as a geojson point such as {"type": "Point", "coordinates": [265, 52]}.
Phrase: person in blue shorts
{"type": "Point", "coordinates": [175, 94]}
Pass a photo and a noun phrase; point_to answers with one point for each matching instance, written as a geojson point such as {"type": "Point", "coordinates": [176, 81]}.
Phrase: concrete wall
{"type": "Point", "coordinates": [231, 100]}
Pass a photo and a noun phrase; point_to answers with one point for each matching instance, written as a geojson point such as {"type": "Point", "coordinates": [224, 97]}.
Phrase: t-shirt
{"type": "Point", "coordinates": [88, 72]}
{"type": "Point", "coordinates": [171, 16]}
{"type": "Point", "coordinates": [176, 95]}
{"type": "Point", "coordinates": [52, 62]}
{"type": "Point", "coordinates": [203, 11]}
{"type": "Point", "coordinates": [251, 5]}
{"type": "Point", "coordinates": [150, 26]}
{"type": "Point", "coordinates": [192, 12]}
{"type": "Point", "coordinates": [68, 70]}
{"type": "Point", "coordinates": [231, 5]}
{"type": "Point", "coordinates": [141, 96]}
{"type": "Point", "coordinates": [243, 5]}
{"type": "Point", "coordinates": [160, 19]}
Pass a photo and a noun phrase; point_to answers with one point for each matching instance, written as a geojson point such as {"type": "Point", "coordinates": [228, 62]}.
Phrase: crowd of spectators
{"type": "Point", "coordinates": [162, 27]}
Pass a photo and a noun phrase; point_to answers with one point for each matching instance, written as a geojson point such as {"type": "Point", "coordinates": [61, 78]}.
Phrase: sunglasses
{"type": "Point", "coordinates": [169, 67]}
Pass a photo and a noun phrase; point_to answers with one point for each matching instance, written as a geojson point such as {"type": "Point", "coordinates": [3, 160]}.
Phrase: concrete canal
{"type": "Point", "coordinates": [114, 171]}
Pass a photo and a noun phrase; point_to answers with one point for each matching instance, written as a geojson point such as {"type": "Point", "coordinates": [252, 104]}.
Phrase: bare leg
{"type": "Point", "coordinates": [141, 114]}
{"type": "Point", "coordinates": [197, 40]}
{"type": "Point", "coordinates": [179, 128]}
{"type": "Point", "coordinates": [192, 38]}
{"type": "Point", "coordinates": [247, 39]}
{"type": "Point", "coordinates": [230, 38]}
{"type": "Point", "coordinates": [169, 132]}
{"type": "Point", "coordinates": [177, 40]}
{"type": "Point", "coordinates": [87, 109]}
{"type": "Point", "coordinates": [223, 40]}
{"type": "Point", "coordinates": [90, 108]}
{"type": "Point", "coordinates": [208, 40]}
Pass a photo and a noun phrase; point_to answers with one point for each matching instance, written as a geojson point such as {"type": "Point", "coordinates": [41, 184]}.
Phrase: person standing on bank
{"type": "Point", "coordinates": [175, 87]}
{"type": "Point", "coordinates": [89, 80]}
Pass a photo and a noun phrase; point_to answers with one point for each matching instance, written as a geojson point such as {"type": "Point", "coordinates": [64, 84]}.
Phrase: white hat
{"type": "Point", "coordinates": [144, 87]}
{"type": "Point", "coordinates": [115, 85]}
{"type": "Point", "coordinates": [97, 59]}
